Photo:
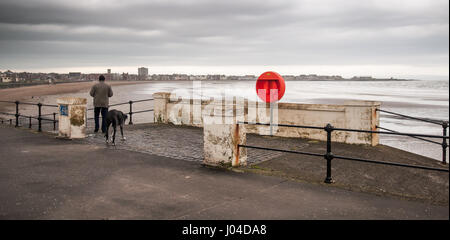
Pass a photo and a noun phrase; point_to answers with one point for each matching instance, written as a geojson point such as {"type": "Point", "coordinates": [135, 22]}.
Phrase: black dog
{"type": "Point", "coordinates": [115, 118]}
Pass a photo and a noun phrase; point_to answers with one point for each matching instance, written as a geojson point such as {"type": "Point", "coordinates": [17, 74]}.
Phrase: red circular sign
{"type": "Point", "coordinates": [266, 82]}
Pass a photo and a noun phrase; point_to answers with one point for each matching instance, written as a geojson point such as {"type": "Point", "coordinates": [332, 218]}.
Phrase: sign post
{"type": "Point", "coordinates": [270, 87]}
{"type": "Point", "coordinates": [271, 119]}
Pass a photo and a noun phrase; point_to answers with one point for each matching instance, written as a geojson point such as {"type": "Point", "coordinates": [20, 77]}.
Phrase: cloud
{"type": "Point", "coordinates": [246, 32]}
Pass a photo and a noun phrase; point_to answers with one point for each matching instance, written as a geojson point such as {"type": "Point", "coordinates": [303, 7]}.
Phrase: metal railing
{"type": "Point", "coordinates": [130, 113]}
{"type": "Point", "coordinates": [40, 117]}
{"type": "Point", "coordinates": [330, 156]}
{"type": "Point", "coordinates": [444, 125]}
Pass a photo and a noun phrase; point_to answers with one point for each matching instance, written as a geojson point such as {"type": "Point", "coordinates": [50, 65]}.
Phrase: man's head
{"type": "Point", "coordinates": [101, 78]}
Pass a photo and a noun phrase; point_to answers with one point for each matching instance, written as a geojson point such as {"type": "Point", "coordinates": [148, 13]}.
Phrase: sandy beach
{"type": "Point", "coordinates": [22, 93]}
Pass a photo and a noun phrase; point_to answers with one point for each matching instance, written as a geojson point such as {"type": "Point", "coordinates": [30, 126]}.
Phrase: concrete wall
{"type": "Point", "coordinates": [355, 115]}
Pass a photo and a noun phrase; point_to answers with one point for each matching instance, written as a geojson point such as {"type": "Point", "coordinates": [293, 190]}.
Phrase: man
{"type": "Point", "coordinates": [101, 92]}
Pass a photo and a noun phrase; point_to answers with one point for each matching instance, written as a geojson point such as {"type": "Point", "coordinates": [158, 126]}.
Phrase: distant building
{"type": "Point", "coordinates": [162, 77]}
{"type": "Point", "coordinates": [180, 77]}
{"type": "Point", "coordinates": [74, 75]}
{"type": "Point", "coordinates": [109, 76]}
{"type": "Point", "coordinates": [20, 79]}
{"type": "Point", "coordinates": [51, 80]}
{"type": "Point", "coordinates": [215, 77]}
{"type": "Point", "coordinates": [363, 78]}
{"type": "Point", "coordinates": [6, 79]}
{"type": "Point", "coordinates": [247, 78]}
{"type": "Point", "coordinates": [142, 73]}
{"type": "Point", "coordinates": [288, 77]}
{"type": "Point", "coordinates": [198, 77]}
{"type": "Point", "coordinates": [124, 76]}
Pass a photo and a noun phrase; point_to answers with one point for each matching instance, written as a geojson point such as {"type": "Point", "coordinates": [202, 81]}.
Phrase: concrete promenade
{"type": "Point", "coordinates": [42, 177]}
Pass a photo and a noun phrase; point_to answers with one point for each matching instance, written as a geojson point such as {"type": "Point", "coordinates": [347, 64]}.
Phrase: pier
{"type": "Point", "coordinates": [161, 170]}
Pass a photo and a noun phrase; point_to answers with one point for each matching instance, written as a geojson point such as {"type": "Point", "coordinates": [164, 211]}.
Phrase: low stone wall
{"type": "Point", "coordinates": [361, 115]}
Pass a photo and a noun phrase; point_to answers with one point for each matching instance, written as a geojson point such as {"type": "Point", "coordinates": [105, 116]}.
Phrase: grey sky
{"type": "Point", "coordinates": [385, 38]}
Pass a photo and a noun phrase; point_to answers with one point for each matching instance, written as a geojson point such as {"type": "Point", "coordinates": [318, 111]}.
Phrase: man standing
{"type": "Point", "coordinates": [101, 92]}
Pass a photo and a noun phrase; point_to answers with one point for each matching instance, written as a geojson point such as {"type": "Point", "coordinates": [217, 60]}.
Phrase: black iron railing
{"type": "Point", "coordinates": [40, 117]}
{"type": "Point", "coordinates": [130, 113]}
{"type": "Point", "coordinates": [444, 125]}
{"type": "Point", "coordinates": [329, 156]}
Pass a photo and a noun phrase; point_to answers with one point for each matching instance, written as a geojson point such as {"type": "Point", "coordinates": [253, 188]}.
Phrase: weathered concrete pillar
{"type": "Point", "coordinates": [161, 99]}
{"type": "Point", "coordinates": [362, 115]}
{"type": "Point", "coordinates": [72, 117]}
{"type": "Point", "coordinates": [178, 110]}
{"type": "Point", "coordinates": [221, 142]}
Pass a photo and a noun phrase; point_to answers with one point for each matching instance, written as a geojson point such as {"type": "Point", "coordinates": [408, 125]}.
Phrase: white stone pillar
{"type": "Point", "coordinates": [72, 117]}
{"type": "Point", "coordinates": [161, 99]}
{"type": "Point", "coordinates": [362, 115]}
{"type": "Point", "coordinates": [221, 143]}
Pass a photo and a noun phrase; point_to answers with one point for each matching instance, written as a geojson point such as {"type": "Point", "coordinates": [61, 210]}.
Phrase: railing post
{"type": "Point", "coordinates": [17, 113]}
{"type": "Point", "coordinates": [444, 142]}
{"type": "Point", "coordinates": [29, 124]}
{"type": "Point", "coordinates": [131, 113]}
{"type": "Point", "coordinates": [39, 117]}
{"type": "Point", "coordinates": [10, 121]}
{"type": "Point", "coordinates": [54, 121]}
{"type": "Point", "coordinates": [329, 156]}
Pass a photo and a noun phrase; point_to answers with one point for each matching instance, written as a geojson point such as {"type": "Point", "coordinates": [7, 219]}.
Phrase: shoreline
{"type": "Point", "coordinates": [21, 93]}
{"type": "Point", "coordinates": [27, 92]}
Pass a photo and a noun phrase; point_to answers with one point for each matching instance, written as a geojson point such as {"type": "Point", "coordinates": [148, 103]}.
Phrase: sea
{"type": "Point", "coordinates": [422, 99]}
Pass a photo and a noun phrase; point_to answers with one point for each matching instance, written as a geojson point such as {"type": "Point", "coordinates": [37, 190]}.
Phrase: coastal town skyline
{"type": "Point", "coordinates": [25, 78]}
{"type": "Point", "coordinates": [395, 72]}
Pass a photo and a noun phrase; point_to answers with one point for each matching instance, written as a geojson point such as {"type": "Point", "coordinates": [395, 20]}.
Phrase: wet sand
{"type": "Point", "coordinates": [22, 93]}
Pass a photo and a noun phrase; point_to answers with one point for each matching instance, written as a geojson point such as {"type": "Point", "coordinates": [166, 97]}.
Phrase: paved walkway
{"type": "Point", "coordinates": [181, 142]}
{"type": "Point", "coordinates": [186, 143]}
{"type": "Point", "coordinates": [42, 177]}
